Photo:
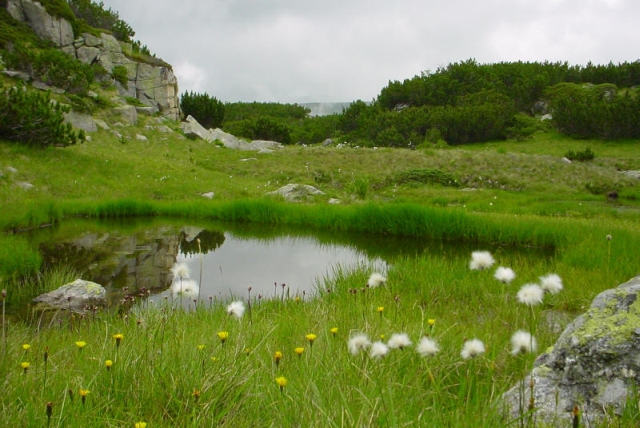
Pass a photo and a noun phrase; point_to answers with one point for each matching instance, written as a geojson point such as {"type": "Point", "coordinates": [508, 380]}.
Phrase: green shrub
{"type": "Point", "coordinates": [426, 176]}
{"type": "Point", "coordinates": [120, 74]}
{"type": "Point", "coordinates": [95, 15]}
{"type": "Point", "coordinates": [32, 118]}
{"type": "Point", "coordinates": [207, 110]}
{"type": "Point", "coordinates": [581, 156]}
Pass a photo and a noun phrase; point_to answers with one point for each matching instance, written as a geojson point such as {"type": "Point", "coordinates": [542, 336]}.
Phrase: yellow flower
{"type": "Point", "coordinates": [25, 365]}
{"type": "Point", "coordinates": [277, 357]}
{"type": "Point", "coordinates": [334, 330]}
{"type": "Point", "coordinates": [299, 351]}
{"type": "Point", "coordinates": [140, 425]}
{"type": "Point", "coordinates": [26, 346]}
{"type": "Point", "coordinates": [214, 359]}
{"type": "Point", "coordinates": [247, 351]}
{"type": "Point", "coordinates": [382, 337]}
{"type": "Point", "coordinates": [80, 344]}
{"type": "Point", "coordinates": [108, 364]}
{"type": "Point", "coordinates": [200, 347]}
{"type": "Point", "coordinates": [380, 309]}
{"type": "Point", "coordinates": [431, 322]}
{"type": "Point", "coordinates": [83, 392]}
{"type": "Point", "coordinates": [196, 394]}
{"type": "Point", "coordinates": [118, 337]}
{"type": "Point", "coordinates": [223, 335]}
{"type": "Point", "coordinates": [311, 337]}
{"type": "Point", "coordinates": [281, 381]}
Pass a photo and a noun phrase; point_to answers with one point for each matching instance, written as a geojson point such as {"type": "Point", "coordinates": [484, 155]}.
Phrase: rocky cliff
{"type": "Point", "coordinates": [154, 84]}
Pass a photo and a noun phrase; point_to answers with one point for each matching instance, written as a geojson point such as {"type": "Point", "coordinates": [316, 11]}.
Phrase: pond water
{"type": "Point", "coordinates": [224, 259]}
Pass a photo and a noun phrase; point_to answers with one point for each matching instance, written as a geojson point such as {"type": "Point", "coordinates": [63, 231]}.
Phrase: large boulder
{"type": "Point", "coordinates": [76, 296]}
{"type": "Point", "coordinates": [55, 29]}
{"type": "Point", "coordinates": [595, 364]}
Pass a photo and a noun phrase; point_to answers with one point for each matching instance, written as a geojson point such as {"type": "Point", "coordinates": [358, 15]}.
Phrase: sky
{"type": "Point", "coordinates": [297, 51]}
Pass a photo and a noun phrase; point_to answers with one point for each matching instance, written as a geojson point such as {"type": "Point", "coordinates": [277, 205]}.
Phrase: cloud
{"type": "Point", "coordinates": [298, 51]}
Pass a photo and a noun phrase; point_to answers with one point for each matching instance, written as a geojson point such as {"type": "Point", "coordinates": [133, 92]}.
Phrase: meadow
{"type": "Point", "coordinates": [293, 361]}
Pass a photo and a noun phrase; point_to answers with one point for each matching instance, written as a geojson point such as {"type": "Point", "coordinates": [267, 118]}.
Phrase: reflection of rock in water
{"type": "Point", "coordinates": [142, 260]}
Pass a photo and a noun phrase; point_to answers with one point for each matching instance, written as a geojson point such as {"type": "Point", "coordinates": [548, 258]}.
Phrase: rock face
{"type": "Point", "coordinates": [154, 84]}
{"type": "Point", "coordinates": [192, 129]}
{"type": "Point", "coordinates": [594, 365]}
{"type": "Point", "coordinates": [75, 296]}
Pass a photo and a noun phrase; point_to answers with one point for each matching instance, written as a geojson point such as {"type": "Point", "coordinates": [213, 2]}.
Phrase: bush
{"type": "Point", "coordinates": [207, 110]}
{"type": "Point", "coordinates": [95, 15]}
{"type": "Point", "coordinates": [581, 156]}
{"type": "Point", "coordinates": [120, 75]}
{"type": "Point", "coordinates": [32, 118]}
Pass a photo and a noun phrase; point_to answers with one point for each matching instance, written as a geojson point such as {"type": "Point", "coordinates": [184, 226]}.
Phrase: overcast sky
{"type": "Point", "coordinates": [296, 51]}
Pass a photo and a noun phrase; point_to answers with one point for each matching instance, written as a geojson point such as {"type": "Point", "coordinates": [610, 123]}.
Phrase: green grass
{"type": "Point", "coordinates": [511, 196]}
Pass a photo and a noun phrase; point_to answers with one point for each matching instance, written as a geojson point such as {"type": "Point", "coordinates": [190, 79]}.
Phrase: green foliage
{"type": "Point", "coordinates": [523, 127]}
{"type": "Point", "coordinates": [33, 119]}
{"type": "Point", "coordinates": [120, 74]}
{"type": "Point", "coordinates": [12, 30]}
{"type": "Point", "coordinates": [17, 258]}
{"type": "Point", "coordinates": [581, 155]}
{"type": "Point", "coordinates": [595, 111]}
{"type": "Point", "coordinates": [244, 111]}
{"type": "Point", "coordinates": [316, 129]}
{"type": "Point", "coordinates": [95, 15]}
{"type": "Point", "coordinates": [207, 110]}
{"type": "Point", "coordinates": [52, 67]}
{"type": "Point", "coordinates": [267, 128]}
{"type": "Point", "coordinates": [58, 8]}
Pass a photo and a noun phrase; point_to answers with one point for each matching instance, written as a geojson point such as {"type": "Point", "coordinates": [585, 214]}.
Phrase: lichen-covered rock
{"type": "Point", "coordinates": [75, 297]}
{"type": "Point", "coordinates": [297, 192]}
{"type": "Point", "coordinates": [595, 364]}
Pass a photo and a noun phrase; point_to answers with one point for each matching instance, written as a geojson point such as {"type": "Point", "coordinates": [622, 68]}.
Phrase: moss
{"type": "Point", "coordinates": [609, 322]}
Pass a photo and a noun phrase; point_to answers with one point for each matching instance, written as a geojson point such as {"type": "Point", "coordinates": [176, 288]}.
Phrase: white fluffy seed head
{"type": "Point", "coordinates": [399, 341]}
{"type": "Point", "coordinates": [551, 283]}
{"type": "Point", "coordinates": [236, 309]}
{"type": "Point", "coordinates": [427, 347]}
{"type": "Point", "coordinates": [472, 348]}
{"type": "Point", "coordinates": [504, 274]}
{"type": "Point", "coordinates": [358, 342]}
{"type": "Point", "coordinates": [522, 342]}
{"type": "Point", "coordinates": [530, 294]}
{"type": "Point", "coordinates": [481, 260]}
{"type": "Point", "coordinates": [376, 279]}
{"type": "Point", "coordinates": [378, 350]}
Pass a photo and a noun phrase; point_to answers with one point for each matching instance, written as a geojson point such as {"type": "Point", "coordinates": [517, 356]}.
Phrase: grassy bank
{"type": "Point", "coordinates": [505, 195]}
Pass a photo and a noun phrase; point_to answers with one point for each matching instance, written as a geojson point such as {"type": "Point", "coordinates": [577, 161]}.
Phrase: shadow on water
{"type": "Point", "coordinates": [225, 259]}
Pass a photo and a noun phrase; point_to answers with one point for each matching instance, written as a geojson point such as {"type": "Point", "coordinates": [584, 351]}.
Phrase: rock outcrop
{"type": "Point", "coordinates": [76, 296]}
{"type": "Point", "coordinates": [297, 192]}
{"type": "Point", "coordinates": [192, 129]}
{"type": "Point", "coordinates": [595, 364]}
{"type": "Point", "coordinates": [153, 83]}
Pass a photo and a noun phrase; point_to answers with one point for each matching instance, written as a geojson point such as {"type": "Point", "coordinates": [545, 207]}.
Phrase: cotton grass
{"type": "Point", "coordinates": [481, 260]}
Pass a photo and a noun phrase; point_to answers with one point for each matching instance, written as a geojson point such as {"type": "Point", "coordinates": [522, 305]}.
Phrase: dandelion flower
{"type": "Point", "coordinates": [399, 341]}
{"type": "Point", "coordinates": [277, 356]}
{"type": "Point", "coordinates": [108, 364]}
{"type": "Point", "coordinates": [299, 351]}
{"type": "Point", "coordinates": [83, 394]}
{"type": "Point", "coordinates": [522, 342]}
{"type": "Point", "coordinates": [118, 337]}
{"type": "Point", "coordinates": [26, 347]}
{"type": "Point", "coordinates": [380, 309]}
{"type": "Point", "coordinates": [186, 288]}
{"type": "Point", "coordinates": [472, 348]}
{"type": "Point", "coordinates": [427, 347]}
{"type": "Point", "coordinates": [140, 425]}
{"type": "Point", "coordinates": [180, 271]}
{"type": "Point", "coordinates": [481, 260]}
{"type": "Point", "coordinates": [81, 344]}
{"type": "Point", "coordinates": [551, 283]}
{"type": "Point", "coordinates": [334, 330]}
{"type": "Point", "coordinates": [358, 342]}
{"type": "Point", "coordinates": [504, 274]}
{"type": "Point", "coordinates": [25, 365]}
{"type": "Point", "coordinates": [223, 336]}
{"type": "Point", "coordinates": [200, 347]}
{"type": "Point", "coordinates": [236, 309]}
{"type": "Point", "coordinates": [530, 294]}
{"type": "Point", "coordinates": [311, 337]}
{"type": "Point", "coordinates": [376, 280]}
{"type": "Point", "coordinates": [378, 350]}
{"type": "Point", "coordinates": [282, 382]}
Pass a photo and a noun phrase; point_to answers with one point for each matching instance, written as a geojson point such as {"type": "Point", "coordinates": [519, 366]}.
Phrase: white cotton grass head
{"type": "Point", "coordinates": [551, 283]}
{"type": "Point", "coordinates": [180, 271]}
{"type": "Point", "coordinates": [399, 341]}
{"type": "Point", "coordinates": [530, 294]}
{"type": "Point", "coordinates": [522, 343]}
{"type": "Point", "coordinates": [427, 347]}
{"type": "Point", "coordinates": [376, 279]}
{"type": "Point", "coordinates": [472, 348]}
{"type": "Point", "coordinates": [504, 274]}
{"type": "Point", "coordinates": [358, 342]}
{"type": "Point", "coordinates": [236, 309]}
{"type": "Point", "coordinates": [378, 350]}
{"type": "Point", "coordinates": [481, 260]}
{"type": "Point", "coordinates": [187, 288]}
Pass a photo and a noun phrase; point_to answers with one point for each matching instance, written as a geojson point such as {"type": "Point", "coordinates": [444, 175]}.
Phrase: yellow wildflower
{"type": "Point", "coordinates": [108, 364]}
{"type": "Point", "coordinates": [81, 344]}
{"type": "Point", "coordinates": [334, 330]}
{"type": "Point", "coordinates": [223, 335]}
{"type": "Point", "coordinates": [282, 382]}
{"type": "Point", "coordinates": [299, 351]}
{"type": "Point", "coordinates": [118, 337]}
{"type": "Point", "coordinates": [140, 425]}
{"type": "Point", "coordinates": [311, 337]}
{"type": "Point", "coordinates": [277, 357]}
{"type": "Point", "coordinates": [26, 347]}
{"type": "Point", "coordinates": [25, 365]}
